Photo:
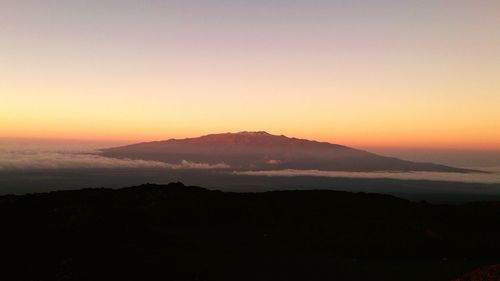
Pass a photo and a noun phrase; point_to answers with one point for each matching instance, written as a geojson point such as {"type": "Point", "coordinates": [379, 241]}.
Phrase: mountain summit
{"type": "Point", "coordinates": [263, 151]}
{"type": "Point", "coordinates": [248, 139]}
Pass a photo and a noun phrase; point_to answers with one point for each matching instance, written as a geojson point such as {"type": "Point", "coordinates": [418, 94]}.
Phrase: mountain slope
{"type": "Point", "coordinates": [175, 232]}
{"type": "Point", "coordinates": [263, 151]}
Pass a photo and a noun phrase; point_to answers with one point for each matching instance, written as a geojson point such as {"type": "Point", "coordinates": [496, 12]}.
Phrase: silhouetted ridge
{"type": "Point", "coordinates": [264, 151]}
{"type": "Point", "coordinates": [177, 232]}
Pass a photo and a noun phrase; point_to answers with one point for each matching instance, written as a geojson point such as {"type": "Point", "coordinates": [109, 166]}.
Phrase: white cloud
{"type": "Point", "coordinates": [28, 160]}
{"type": "Point", "coordinates": [194, 165]}
{"type": "Point", "coordinates": [493, 177]}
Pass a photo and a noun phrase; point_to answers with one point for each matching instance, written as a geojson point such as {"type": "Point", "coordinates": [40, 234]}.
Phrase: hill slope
{"type": "Point", "coordinates": [174, 232]}
{"type": "Point", "coordinates": [263, 151]}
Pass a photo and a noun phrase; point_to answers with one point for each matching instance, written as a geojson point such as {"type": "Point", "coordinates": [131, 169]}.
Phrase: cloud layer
{"type": "Point", "coordinates": [29, 160]}
{"type": "Point", "coordinates": [494, 177]}
{"type": "Point", "coordinates": [14, 158]}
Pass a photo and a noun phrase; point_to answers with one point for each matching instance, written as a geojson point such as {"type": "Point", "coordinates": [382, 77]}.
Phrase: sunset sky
{"type": "Point", "coordinates": [361, 73]}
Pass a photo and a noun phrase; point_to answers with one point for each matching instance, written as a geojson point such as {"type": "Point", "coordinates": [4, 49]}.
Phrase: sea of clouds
{"type": "Point", "coordinates": [15, 156]}
{"type": "Point", "coordinates": [29, 157]}
{"type": "Point", "coordinates": [492, 177]}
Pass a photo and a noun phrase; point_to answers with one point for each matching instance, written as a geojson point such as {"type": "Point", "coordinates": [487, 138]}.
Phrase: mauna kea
{"type": "Point", "coordinates": [264, 151]}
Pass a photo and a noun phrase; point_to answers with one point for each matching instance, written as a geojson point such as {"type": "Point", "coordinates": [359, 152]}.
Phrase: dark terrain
{"type": "Point", "coordinates": [264, 151]}
{"type": "Point", "coordinates": [36, 181]}
{"type": "Point", "coordinates": [174, 232]}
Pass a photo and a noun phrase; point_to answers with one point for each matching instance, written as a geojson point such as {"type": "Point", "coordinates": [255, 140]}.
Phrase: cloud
{"type": "Point", "coordinates": [29, 160]}
{"type": "Point", "coordinates": [494, 177]}
{"type": "Point", "coordinates": [194, 165]}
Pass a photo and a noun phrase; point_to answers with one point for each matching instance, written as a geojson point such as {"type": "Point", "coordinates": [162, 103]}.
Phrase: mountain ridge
{"type": "Point", "coordinates": [243, 136]}
{"type": "Point", "coordinates": [260, 150]}
{"type": "Point", "coordinates": [178, 232]}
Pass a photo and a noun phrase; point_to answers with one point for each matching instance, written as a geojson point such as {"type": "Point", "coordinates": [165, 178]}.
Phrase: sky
{"type": "Point", "coordinates": [362, 73]}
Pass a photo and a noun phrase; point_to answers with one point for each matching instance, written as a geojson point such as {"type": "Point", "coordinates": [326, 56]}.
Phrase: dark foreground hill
{"type": "Point", "coordinates": [264, 151]}
{"type": "Point", "coordinates": [174, 232]}
{"type": "Point", "coordinates": [486, 273]}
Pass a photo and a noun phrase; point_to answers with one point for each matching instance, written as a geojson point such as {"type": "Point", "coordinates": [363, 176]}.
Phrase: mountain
{"type": "Point", "coordinates": [264, 151]}
{"type": "Point", "coordinates": [187, 233]}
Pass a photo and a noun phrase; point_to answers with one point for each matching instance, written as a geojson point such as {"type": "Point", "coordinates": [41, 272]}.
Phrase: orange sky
{"type": "Point", "coordinates": [392, 74]}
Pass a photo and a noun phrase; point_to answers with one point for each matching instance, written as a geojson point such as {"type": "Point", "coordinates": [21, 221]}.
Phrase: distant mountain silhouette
{"type": "Point", "coordinates": [264, 151]}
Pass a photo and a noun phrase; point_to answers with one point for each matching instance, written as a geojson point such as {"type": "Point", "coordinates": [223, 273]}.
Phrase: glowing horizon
{"type": "Point", "coordinates": [362, 74]}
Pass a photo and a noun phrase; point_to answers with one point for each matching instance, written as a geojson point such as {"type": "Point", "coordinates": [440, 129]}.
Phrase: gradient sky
{"type": "Point", "coordinates": [361, 73]}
